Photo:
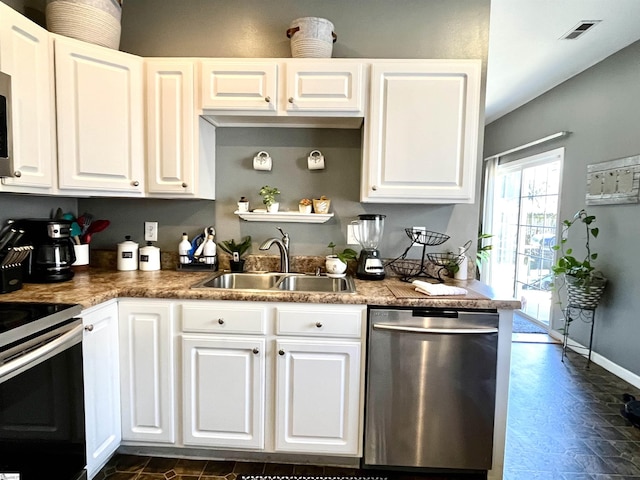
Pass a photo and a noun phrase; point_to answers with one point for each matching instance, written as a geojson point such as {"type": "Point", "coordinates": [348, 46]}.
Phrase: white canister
{"type": "Point", "coordinates": [127, 255]}
{"type": "Point", "coordinates": [149, 257]}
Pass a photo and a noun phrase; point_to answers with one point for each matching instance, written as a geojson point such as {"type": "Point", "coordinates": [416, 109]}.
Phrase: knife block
{"type": "Point", "coordinates": [10, 278]}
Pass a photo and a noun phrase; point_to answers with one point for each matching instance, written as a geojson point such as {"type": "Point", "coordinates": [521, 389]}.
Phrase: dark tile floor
{"type": "Point", "coordinates": [564, 423]}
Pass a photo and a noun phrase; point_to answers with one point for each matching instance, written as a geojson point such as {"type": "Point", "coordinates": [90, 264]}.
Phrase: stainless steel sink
{"type": "Point", "coordinates": [308, 283]}
{"type": "Point", "coordinates": [241, 281]}
{"type": "Point", "coordinates": [283, 282]}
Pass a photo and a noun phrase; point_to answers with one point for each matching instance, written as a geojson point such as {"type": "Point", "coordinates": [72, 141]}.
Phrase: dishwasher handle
{"type": "Point", "coordinates": [437, 331]}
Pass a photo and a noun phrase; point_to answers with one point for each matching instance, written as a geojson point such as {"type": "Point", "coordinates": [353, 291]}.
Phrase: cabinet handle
{"type": "Point", "coordinates": [267, 99]}
{"type": "Point", "coordinates": [89, 328]}
{"type": "Point", "coordinates": [135, 183]}
{"type": "Point", "coordinates": [256, 351]}
{"type": "Point", "coordinates": [281, 352]}
{"type": "Point", "coordinates": [184, 185]}
{"type": "Point", "coordinates": [319, 324]}
{"type": "Point", "coordinates": [290, 99]}
{"type": "Point", "coordinates": [374, 187]}
{"type": "Point", "coordinates": [221, 321]}
{"type": "Point", "coordinates": [17, 174]}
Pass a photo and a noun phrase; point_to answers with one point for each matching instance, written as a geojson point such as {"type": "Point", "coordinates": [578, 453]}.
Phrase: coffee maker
{"type": "Point", "coordinates": [53, 252]}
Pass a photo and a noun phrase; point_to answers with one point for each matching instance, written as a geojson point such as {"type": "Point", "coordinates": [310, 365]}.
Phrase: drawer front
{"type": "Point", "coordinates": [325, 321]}
{"type": "Point", "coordinates": [226, 317]}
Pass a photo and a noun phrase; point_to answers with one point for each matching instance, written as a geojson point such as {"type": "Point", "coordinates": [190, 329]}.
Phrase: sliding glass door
{"type": "Point", "coordinates": [525, 222]}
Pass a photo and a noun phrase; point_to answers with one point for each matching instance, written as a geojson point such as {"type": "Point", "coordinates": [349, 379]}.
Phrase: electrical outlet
{"type": "Point", "coordinates": [151, 231]}
{"type": "Point", "coordinates": [351, 237]}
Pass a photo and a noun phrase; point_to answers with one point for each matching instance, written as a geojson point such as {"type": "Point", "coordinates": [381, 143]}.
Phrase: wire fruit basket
{"type": "Point", "coordinates": [408, 269]}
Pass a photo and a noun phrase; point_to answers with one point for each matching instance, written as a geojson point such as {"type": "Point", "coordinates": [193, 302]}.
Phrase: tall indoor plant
{"type": "Point", "coordinates": [585, 285]}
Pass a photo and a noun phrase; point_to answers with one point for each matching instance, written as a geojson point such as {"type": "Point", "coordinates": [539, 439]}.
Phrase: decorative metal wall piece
{"type": "Point", "coordinates": [614, 182]}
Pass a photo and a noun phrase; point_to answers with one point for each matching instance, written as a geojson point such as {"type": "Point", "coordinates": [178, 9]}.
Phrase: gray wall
{"type": "Point", "coordinates": [365, 28]}
{"type": "Point", "coordinates": [602, 108]}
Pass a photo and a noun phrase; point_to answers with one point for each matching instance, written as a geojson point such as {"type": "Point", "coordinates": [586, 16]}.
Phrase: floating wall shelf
{"type": "Point", "coordinates": [291, 217]}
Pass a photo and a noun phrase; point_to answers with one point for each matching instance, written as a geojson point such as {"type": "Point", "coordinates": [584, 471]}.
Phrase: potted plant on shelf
{"type": "Point", "coordinates": [269, 198]}
{"type": "Point", "coordinates": [585, 285]}
{"type": "Point", "coordinates": [321, 205]}
{"type": "Point", "coordinates": [336, 263]}
{"type": "Point", "coordinates": [236, 250]}
{"type": "Point", "coordinates": [304, 205]}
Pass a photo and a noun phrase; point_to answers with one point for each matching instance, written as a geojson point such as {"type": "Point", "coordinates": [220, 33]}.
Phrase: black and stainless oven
{"type": "Point", "coordinates": [42, 429]}
{"type": "Point", "coordinates": [6, 143]}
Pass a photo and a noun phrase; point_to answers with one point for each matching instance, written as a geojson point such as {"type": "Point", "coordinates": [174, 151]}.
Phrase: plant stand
{"type": "Point", "coordinates": [576, 312]}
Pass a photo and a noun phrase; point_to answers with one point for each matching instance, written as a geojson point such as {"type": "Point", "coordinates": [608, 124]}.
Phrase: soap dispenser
{"type": "Point", "coordinates": [184, 249]}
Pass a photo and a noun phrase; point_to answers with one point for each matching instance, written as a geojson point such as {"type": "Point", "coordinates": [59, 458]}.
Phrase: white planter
{"type": "Point", "coordinates": [273, 208]}
{"type": "Point", "coordinates": [304, 208]}
{"type": "Point", "coordinates": [334, 266]}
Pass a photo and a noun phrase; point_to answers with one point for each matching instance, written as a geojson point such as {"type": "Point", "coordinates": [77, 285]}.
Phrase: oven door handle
{"type": "Point", "coordinates": [438, 331]}
{"type": "Point", "coordinates": [42, 353]}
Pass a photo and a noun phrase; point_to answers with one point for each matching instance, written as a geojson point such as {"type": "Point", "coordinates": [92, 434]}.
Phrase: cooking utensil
{"type": "Point", "coordinates": [84, 221]}
{"type": "Point", "coordinates": [95, 227]}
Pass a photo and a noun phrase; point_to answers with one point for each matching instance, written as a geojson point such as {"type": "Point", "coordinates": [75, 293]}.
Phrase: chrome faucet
{"type": "Point", "coordinates": [283, 245]}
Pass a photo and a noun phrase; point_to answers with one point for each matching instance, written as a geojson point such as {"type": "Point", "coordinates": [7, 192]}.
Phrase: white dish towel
{"type": "Point", "coordinates": [437, 288]}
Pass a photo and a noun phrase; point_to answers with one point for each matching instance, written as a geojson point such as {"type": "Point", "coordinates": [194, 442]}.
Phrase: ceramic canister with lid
{"type": "Point", "coordinates": [149, 257]}
{"type": "Point", "coordinates": [127, 255]}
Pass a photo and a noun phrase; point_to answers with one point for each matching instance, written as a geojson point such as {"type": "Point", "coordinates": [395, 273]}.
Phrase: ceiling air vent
{"type": "Point", "coordinates": [580, 29]}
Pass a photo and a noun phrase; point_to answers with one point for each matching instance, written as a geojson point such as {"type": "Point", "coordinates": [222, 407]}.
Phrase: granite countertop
{"type": "Point", "coordinates": [95, 285]}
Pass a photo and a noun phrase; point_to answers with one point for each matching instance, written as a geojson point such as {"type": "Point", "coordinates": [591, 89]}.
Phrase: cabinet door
{"type": "Point", "coordinates": [100, 118]}
{"type": "Point", "coordinates": [101, 385]}
{"type": "Point", "coordinates": [324, 87]}
{"type": "Point", "coordinates": [244, 86]}
{"type": "Point", "coordinates": [318, 396]}
{"type": "Point", "coordinates": [171, 122]}
{"type": "Point", "coordinates": [147, 371]}
{"type": "Point", "coordinates": [224, 391]}
{"type": "Point", "coordinates": [421, 137]}
{"type": "Point", "coordinates": [26, 54]}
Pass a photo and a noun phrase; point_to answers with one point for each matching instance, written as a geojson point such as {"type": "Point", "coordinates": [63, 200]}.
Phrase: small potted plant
{"type": "Point", "coordinates": [304, 205]}
{"type": "Point", "coordinates": [585, 285]}
{"type": "Point", "coordinates": [269, 198]}
{"type": "Point", "coordinates": [336, 263]}
{"type": "Point", "coordinates": [236, 250]}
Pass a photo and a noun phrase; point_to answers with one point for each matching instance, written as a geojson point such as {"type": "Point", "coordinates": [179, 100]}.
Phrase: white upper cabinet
{"type": "Point", "coordinates": [246, 86]}
{"type": "Point", "coordinates": [26, 54]}
{"type": "Point", "coordinates": [284, 92]}
{"type": "Point", "coordinates": [100, 119]}
{"type": "Point", "coordinates": [421, 134]}
{"type": "Point", "coordinates": [325, 86]}
{"type": "Point", "coordinates": [180, 145]}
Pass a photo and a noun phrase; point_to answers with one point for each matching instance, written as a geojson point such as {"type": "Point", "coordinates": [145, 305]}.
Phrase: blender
{"type": "Point", "coordinates": [368, 232]}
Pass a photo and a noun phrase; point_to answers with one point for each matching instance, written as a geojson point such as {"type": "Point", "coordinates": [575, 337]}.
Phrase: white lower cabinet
{"type": "Point", "coordinates": [223, 391]}
{"type": "Point", "coordinates": [319, 378]}
{"type": "Point", "coordinates": [101, 384]}
{"type": "Point", "coordinates": [147, 359]}
{"type": "Point", "coordinates": [318, 396]}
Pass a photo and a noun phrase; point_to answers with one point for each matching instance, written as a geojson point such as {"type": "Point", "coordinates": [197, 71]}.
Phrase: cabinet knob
{"type": "Point", "coordinates": [281, 352]}
{"type": "Point", "coordinates": [135, 183]}
{"type": "Point", "coordinates": [319, 324]}
{"type": "Point", "coordinates": [89, 328]}
{"type": "Point", "coordinates": [221, 321]}
{"type": "Point", "coordinates": [267, 99]}
{"type": "Point", "coordinates": [17, 173]}
{"type": "Point", "coordinates": [256, 351]}
{"type": "Point", "coordinates": [374, 187]}
{"type": "Point", "coordinates": [184, 185]}
{"type": "Point", "coordinates": [290, 99]}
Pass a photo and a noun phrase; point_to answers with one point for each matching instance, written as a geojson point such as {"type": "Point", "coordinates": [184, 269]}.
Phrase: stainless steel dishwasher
{"type": "Point", "coordinates": [431, 387]}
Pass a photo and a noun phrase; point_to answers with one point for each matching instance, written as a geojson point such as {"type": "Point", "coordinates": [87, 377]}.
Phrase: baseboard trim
{"type": "Point", "coordinates": [598, 359]}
